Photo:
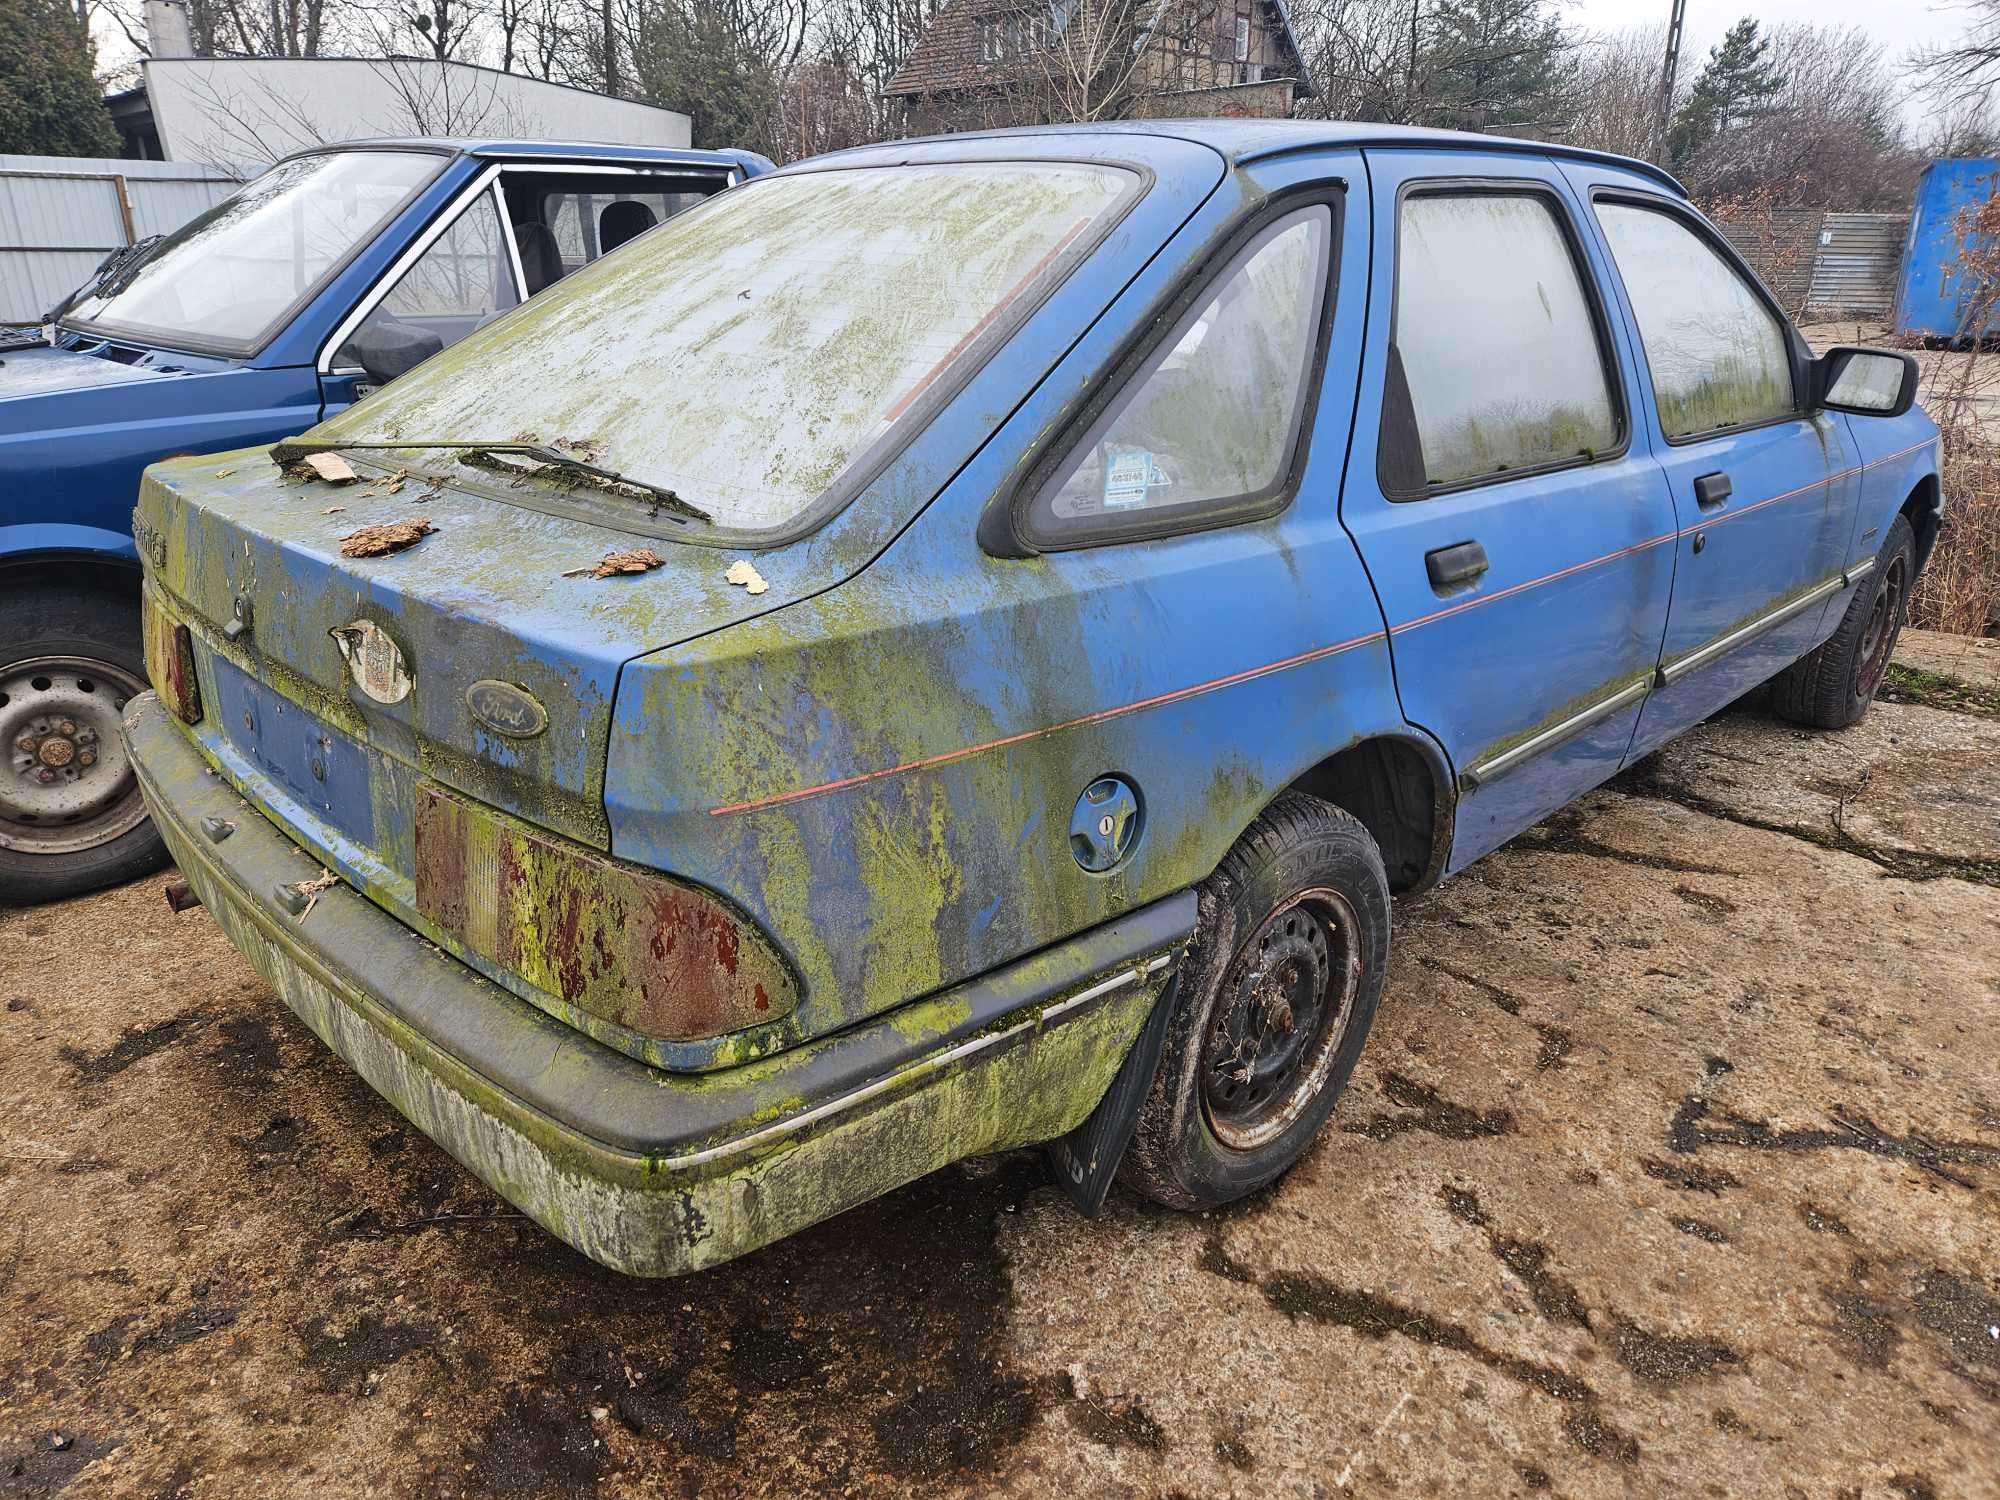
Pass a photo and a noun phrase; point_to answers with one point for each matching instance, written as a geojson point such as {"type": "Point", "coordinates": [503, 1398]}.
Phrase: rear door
{"type": "Point", "coordinates": [1763, 491]}
{"type": "Point", "coordinates": [1518, 536]}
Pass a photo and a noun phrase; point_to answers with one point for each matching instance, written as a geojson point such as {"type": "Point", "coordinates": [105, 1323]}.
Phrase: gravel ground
{"type": "Point", "coordinates": [1673, 1168]}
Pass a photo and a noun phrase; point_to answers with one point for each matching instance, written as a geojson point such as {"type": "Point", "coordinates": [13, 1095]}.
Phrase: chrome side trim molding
{"type": "Point", "coordinates": [1701, 656]}
{"type": "Point", "coordinates": [1858, 571]}
{"type": "Point", "coordinates": [1478, 775]}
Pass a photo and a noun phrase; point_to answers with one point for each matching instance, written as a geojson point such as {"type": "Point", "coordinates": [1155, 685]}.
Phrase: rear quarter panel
{"type": "Point", "coordinates": [884, 776]}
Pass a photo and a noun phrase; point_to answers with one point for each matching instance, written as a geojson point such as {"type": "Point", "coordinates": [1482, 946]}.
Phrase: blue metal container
{"type": "Point", "coordinates": [1931, 297]}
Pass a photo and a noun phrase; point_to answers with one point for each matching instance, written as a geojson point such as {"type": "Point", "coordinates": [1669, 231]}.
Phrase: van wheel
{"type": "Point", "coordinates": [1832, 685]}
{"type": "Point", "coordinates": [70, 815]}
{"type": "Point", "coordinates": [1271, 1008]}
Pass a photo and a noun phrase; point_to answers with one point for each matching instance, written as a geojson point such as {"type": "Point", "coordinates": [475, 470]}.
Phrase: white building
{"type": "Point", "coordinates": [241, 114]}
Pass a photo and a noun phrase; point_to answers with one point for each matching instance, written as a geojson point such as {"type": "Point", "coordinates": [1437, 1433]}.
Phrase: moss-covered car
{"type": "Point", "coordinates": [954, 645]}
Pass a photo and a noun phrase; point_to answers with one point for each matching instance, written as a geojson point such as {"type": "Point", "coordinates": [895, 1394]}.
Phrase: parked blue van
{"type": "Point", "coordinates": [956, 645]}
{"type": "Point", "coordinates": [333, 272]}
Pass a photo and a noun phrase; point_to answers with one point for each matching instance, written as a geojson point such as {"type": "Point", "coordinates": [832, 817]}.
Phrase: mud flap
{"type": "Point", "coordinates": [1086, 1160]}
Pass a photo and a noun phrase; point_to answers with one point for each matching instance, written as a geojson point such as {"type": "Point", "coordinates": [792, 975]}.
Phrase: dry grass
{"type": "Point", "coordinates": [1960, 590]}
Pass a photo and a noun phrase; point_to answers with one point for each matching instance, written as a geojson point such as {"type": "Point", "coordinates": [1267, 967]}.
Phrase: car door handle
{"type": "Point", "coordinates": [1459, 563]}
{"type": "Point", "coordinates": [1711, 490]}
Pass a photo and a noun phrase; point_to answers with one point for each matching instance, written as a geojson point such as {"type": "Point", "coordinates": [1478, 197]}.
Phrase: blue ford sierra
{"type": "Point", "coordinates": [956, 644]}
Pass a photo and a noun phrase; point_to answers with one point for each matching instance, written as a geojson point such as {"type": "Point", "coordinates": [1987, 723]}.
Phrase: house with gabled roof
{"type": "Point", "coordinates": [998, 62]}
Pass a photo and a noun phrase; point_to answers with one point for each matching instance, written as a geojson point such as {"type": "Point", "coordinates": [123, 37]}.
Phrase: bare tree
{"type": "Point", "coordinates": [1618, 92]}
{"type": "Point", "coordinates": [1968, 68]}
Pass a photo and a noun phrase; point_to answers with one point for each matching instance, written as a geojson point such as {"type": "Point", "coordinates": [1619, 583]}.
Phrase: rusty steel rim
{"type": "Point", "coordinates": [65, 784]}
{"type": "Point", "coordinates": [1280, 1015]}
{"type": "Point", "coordinates": [1881, 631]}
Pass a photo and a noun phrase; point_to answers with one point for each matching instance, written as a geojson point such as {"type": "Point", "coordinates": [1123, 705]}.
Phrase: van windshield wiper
{"type": "Point", "coordinates": [543, 455]}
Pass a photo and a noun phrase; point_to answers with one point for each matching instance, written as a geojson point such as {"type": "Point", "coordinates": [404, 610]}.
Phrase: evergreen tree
{"type": "Point", "coordinates": [1500, 64]}
{"type": "Point", "coordinates": [1738, 83]}
{"type": "Point", "coordinates": [49, 103]}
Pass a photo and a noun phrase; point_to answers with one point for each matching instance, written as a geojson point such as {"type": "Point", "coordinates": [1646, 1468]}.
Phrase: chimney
{"type": "Point", "coordinates": [167, 30]}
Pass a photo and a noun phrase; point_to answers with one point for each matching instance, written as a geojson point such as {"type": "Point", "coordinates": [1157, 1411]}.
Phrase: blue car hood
{"type": "Point", "coordinates": [42, 371]}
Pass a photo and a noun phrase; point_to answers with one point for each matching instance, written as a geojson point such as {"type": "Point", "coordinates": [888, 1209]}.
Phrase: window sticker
{"type": "Point", "coordinates": [1128, 478]}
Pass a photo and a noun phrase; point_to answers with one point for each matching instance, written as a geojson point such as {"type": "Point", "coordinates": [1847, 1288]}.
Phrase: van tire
{"type": "Point", "coordinates": [91, 624]}
{"type": "Point", "coordinates": [1831, 686]}
{"type": "Point", "coordinates": [1295, 918]}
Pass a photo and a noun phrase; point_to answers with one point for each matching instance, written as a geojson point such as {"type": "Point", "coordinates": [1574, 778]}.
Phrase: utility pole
{"type": "Point", "coordinates": [1667, 78]}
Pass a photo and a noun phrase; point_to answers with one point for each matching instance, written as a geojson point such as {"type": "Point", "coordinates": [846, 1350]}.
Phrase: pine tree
{"type": "Point", "coordinates": [49, 103]}
{"type": "Point", "coordinates": [1737, 84]}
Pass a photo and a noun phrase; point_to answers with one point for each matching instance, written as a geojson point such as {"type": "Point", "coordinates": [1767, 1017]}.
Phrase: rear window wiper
{"type": "Point", "coordinates": [543, 455]}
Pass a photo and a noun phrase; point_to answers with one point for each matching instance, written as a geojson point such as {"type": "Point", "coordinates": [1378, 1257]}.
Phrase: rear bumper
{"type": "Point", "coordinates": [650, 1172]}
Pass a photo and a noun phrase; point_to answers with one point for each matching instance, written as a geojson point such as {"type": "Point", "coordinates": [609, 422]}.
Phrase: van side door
{"type": "Point", "coordinates": [1517, 533]}
{"type": "Point", "coordinates": [1763, 490]}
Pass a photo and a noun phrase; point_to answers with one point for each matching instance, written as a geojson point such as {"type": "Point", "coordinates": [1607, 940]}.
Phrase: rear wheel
{"type": "Point", "coordinates": [1831, 686]}
{"type": "Point", "coordinates": [71, 819]}
{"type": "Point", "coordinates": [1271, 1009]}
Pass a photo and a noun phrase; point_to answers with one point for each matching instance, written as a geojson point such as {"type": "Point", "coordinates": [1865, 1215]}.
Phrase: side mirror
{"type": "Point", "coordinates": [1864, 382]}
{"type": "Point", "coordinates": [386, 348]}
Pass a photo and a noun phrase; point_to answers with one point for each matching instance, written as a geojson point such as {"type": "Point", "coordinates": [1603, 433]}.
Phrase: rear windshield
{"type": "Point", "coordinates": [228, 275]}
{"type": "Point", "coordinates": [756, 353]}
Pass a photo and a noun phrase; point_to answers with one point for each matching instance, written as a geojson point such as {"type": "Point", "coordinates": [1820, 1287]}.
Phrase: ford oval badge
{"type": "Point", "coordinates": [506, 709]}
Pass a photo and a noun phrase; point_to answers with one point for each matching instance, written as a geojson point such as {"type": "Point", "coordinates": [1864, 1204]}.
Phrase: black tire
{"type": "Point", "coordinates": [1831, 686]}
{"type": "Point", "coordinates": [1218, 1124]}
{"type": "Point", "coordinates": [70, 654]}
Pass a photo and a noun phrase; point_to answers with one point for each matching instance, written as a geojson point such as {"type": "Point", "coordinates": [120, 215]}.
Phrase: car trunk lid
{"type": "Point", "coordinates": [485, 654]}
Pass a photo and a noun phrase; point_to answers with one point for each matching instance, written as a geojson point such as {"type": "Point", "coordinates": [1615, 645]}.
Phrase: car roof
{"type": "Point", "coordinates": [1241, 141]}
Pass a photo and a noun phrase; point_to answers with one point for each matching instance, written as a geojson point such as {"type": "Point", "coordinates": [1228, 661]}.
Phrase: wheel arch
{"type": "Point", "coordinates": [1401, 789]}
{"type": "Point", "coordinates": [103, 562]}
{"type": "Point", "coordinates": [1924, 510]}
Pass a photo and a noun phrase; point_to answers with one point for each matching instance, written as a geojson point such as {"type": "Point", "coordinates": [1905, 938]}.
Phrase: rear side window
{"type": "Point", "coordinates": [1718, 354]}
{"type": "Point", "coordinates": [1207, 425]}
{"type": "Point", "coordinates": [1497, 363]}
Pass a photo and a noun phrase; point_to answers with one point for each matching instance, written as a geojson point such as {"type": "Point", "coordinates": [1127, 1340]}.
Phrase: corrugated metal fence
{"type": "Point", "coordinates": [60, 216]}
{"type": "Point", "coordinates": [1780, 245]}
{"type": "Point", "coordinates": [1854, 273]}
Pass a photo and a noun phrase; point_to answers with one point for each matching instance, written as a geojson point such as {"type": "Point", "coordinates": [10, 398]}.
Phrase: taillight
{"type": "Point", "coordinates": [622, 942]}
{"type": "Point", "coordinates": [170, 660]}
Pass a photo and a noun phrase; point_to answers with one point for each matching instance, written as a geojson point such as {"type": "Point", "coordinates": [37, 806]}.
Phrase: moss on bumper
{"type": "Point", "coordinates": [781, 1162]}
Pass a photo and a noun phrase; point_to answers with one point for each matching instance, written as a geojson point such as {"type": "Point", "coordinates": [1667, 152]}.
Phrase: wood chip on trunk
{"type": "Point", "coordinates": [330, 467]}
{"type": "Point", "coordinates": [390, 536]}
{"type": "Point", "coordinates": [638, 560]}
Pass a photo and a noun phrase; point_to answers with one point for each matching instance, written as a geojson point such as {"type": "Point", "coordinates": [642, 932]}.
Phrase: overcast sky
{"type": "Point", "coordinates": [1898, 24]}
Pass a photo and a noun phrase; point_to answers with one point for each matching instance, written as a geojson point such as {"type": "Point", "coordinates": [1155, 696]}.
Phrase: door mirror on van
{"type": "Point", "coordinates": [386, 348]}
{"type": "Point", "coordinates": [1865, 382]}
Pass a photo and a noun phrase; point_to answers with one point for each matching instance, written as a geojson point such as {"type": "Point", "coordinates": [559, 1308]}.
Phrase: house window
{"type": "Point", "coordinates": [1242, 38]}
{"type": "Point", "coordinates": [1009, 34]}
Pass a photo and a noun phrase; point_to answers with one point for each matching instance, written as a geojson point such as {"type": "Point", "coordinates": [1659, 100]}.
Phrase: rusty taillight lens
{"type": "Point", "coordinates": [655, 955]}
{"type": "Point", "coordinates": [170, 660]}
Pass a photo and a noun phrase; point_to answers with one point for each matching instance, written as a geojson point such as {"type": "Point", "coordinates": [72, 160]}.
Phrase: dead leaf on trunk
{"type": "Point", "coordinates": [391, 536]}
{"type": "Point", "coordinates": [224, 473]}
{"type": "Point", "coordinates": [330, 467]}
{"type": "Point", "coordinates": [639, 560]}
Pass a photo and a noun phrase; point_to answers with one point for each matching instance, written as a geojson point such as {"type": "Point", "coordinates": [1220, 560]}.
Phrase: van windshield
{"type": "Point", "coordinates": [756, 353]}
{"type": "Point", "coordinates": [227, 275]}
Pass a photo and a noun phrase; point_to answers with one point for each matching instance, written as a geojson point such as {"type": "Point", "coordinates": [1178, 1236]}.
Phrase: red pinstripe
{"type": "Point", "coordinates": [862, 778]}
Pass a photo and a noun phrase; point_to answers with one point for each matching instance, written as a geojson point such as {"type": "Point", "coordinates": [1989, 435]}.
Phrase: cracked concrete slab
{"type": "Point", "coordinates": [1672, 1169]}
{"type": "Point", "coordinates": [1962, 658]}
{"type": "Point", "coordinates": [1905, 781]}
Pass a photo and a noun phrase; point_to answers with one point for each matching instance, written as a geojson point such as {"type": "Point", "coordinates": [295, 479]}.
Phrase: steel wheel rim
{"type": "Point", "coordinates": [65, 782]}
{"type": "Point", "coordinates": [1881, 630]}
{"type": "Point", "coordinates": [1280, 1014]}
